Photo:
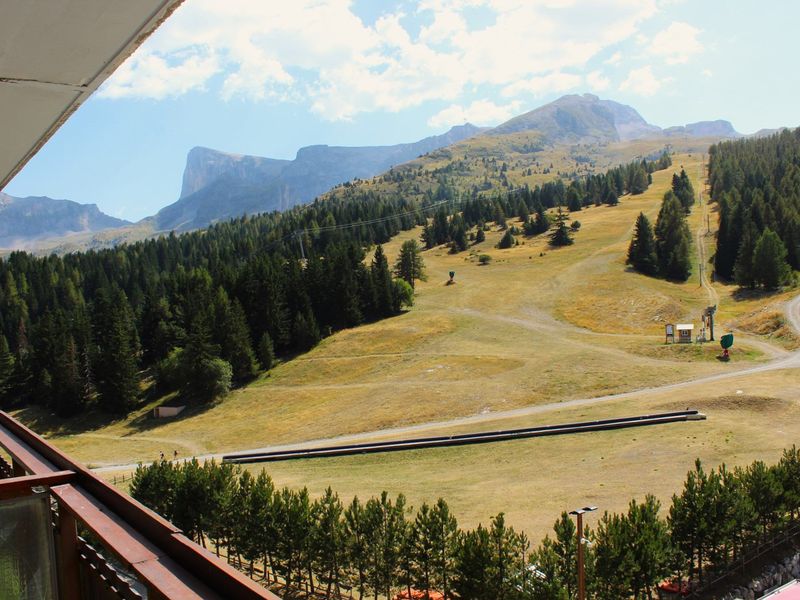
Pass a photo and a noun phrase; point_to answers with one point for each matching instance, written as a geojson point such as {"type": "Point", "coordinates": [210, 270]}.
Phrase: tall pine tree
{"type": "Point", "coordinates": [642, 250]}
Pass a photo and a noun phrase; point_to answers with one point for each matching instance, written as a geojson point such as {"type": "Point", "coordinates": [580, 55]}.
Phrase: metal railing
{"type": "Point", "coordinates": [158, 554]}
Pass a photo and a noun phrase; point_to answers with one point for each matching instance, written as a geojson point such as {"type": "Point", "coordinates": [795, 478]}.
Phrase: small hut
{"type": "Point", "coordinates": [684, 332]}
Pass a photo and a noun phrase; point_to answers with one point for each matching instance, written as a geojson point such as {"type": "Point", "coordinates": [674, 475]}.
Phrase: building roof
{"type": "Point", "coordinates": [790, 591]}
{"type": "Point", "coordinates": [53, 56]}
{"type": "Point", "coordinates": [684, 326]}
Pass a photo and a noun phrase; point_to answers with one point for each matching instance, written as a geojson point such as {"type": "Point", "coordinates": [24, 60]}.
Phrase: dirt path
{"type": "Point", "coordinates": [789, 361]}
{"type": "Point", "coordinates": [713, 297]}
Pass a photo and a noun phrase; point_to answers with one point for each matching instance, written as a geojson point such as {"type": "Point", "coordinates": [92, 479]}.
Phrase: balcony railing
{"type": "Point", "coordinates": [164, 562]}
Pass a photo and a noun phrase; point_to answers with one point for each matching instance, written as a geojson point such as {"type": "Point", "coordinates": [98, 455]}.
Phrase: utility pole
{"type": "Point", "coordinates": [581, 541]}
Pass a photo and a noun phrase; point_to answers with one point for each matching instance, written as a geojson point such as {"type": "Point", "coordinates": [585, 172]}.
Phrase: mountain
{"type": "Point", "coordinates": [25, 220]}
{"type": "Point", "coordinates": [718, 128]}
{"type": "Point", "coordinates": [582, 118]}
{"type": "Point", "coordinates": [586, 118]}
{"type": "Point", "coordinates": [219, 185]}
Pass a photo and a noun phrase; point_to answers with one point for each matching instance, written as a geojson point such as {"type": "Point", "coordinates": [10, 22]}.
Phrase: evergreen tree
{"type": "Point", "coordinates": [561, 236]}
{"type": "Point", "coordinates": [480, 236]}
{"type": "Point", "coordinates": [507, 241]}
{"type": "Point", "coordinates": [305, 332]}
{"type": "Point", "coordinates": [205, 376]}
{"type": "Point", "coordinates": [6, 371]}
{"type": "Point", "coordinates": [682, 188]}
{"type": "Point", "coordinates": [743, 270]}
{"type": "Point", "coordinates": [357, 544]}
{"type": "Point", "coordinates": [409, 265]}
{"type": "Point", "coordinates": [672, 240]}
{"type": "Point", "coordinates": [473, 565]}
{"type": "Point", "coordinates": [639, 182]}
{"type": "Point", "coordinates": [642, 249]}
{"type": "Point", "coordinates": [328, 536]}
{"type": "Point", "coordinates": [266, 352]}
{"type": "Point", "coordinates": [233, 336]}
{"type": "Point", "coordinates": [769, 261]}
{"type": "Point", "coordinates": [115, 351]}
{"type": "Point", "coordinates": [386, 303]}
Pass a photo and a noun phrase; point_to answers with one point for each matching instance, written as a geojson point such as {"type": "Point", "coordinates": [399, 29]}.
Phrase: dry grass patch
{"type": "Point", "coordinates": [533, 480]}
{"type": "Point", "coordinates": [770, 322]}
{"type": "Point", "coordinates": [708, 352]}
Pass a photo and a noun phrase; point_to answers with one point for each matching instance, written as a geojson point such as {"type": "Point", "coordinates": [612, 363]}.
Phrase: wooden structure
{"type": "Point", "coordinates": [157, 557]}
{"type": "Point", "coordinates": [161, 412]}
{"type": "Point", "coordinates": [684, 332]}
{"type": "Point", "coordinates": [669, 333]}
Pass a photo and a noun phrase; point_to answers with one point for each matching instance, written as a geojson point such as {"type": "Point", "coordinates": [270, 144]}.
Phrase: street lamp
{"type": "Point", "coordinates": [578, 512]}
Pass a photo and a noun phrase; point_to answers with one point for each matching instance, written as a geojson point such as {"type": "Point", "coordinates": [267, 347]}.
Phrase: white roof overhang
{"type": "Point", "coordinates": [53, 56]}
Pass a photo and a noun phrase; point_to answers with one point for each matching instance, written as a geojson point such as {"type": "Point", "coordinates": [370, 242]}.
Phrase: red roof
{"type": "Point", "coordinates": [790, 591]}
{"type": "Point", "coordinates": [418, 595]}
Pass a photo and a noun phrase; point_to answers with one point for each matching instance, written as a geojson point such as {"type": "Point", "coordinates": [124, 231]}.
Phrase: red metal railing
{"type": "Point", "coordinates": [164, 560]}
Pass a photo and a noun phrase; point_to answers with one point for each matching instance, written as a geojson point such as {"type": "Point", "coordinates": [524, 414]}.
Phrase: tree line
{"type": "Point", "coordinates": [665, 250]}
{"type": "Point", "coordinates": [756, 185]}
{"type": "Point", "coordinates": [201, 311]}
{"type": "Point", "coordinates": [382, 546]}
{"type": "Point", "coordinates": [453, 220]}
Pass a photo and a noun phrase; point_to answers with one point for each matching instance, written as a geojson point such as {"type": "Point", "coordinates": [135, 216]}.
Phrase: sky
{"type": "Point", "coordinates": [269, 77]}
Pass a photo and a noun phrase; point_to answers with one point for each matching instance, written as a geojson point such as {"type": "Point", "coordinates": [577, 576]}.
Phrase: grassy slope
{"type": "Point", "coordinates": [535, 326]}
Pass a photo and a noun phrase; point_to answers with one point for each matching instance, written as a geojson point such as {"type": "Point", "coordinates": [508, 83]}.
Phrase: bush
{"type": "Point", "coordinates": [404, 292]}
{"type": "Point", "coordinates": [484, 259]}
{"type": "Point", "coordinates": [575, 225]}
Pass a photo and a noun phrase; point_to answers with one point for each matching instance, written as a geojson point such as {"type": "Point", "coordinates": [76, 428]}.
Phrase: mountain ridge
{"type": "Point", "coordinates": [25, 220]}
{"type": "Point", "coordinates": [576, 129]}
{"type": "Point", "coordinates": [219, 185]}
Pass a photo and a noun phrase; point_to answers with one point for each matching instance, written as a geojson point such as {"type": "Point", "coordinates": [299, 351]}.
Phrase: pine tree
{"type": "Point", "coordinates": [561, 236]}
{"type": "Point", "coordinates": [382, 284]}
{"type": "Point", "coordinates": [409, 265]}
{"type": "Point", "coordinates": [6, 371]}
{"type": "Point", "coordinates": [640, 182]}
{"type": "Point", "coordinates": [115, 351]}
{"type": "Point", "coordinates": [769, 261]}
{"type": "Point", "coordinates": [507, 241]}
{"type": "Point", "coordinates": [672, 239]}
{"type": "Point", "coordinates": [305, 332]}
{"type": "Point", "coordinates": [642, 249]}
{"type": "Point", "coordinates": [266, 352]}
{"type": "Point", "coordinates": [743, 271]}
{"type": "Point", "coordinates": [205, 375]}
{"type": "Point", "coordinates": [682, 188]}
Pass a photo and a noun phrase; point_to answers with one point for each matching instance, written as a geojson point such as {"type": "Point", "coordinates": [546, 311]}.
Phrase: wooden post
{"type": "Point", "coordinates": [69, 581]}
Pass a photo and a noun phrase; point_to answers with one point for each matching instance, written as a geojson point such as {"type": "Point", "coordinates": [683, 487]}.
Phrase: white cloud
{"type": "Point", "coordinates": [152, 76]}
{"type": "Point", "coordinates": [480, 112]}
{"type": "Point", "coordinates": [642, 81]}
{"type": "Point", "coordinates": [677, 43]}
{"type": "Point", "coordinates": [597, 81]}
{"type": "Point", "coordinates": [707, 72]}
{"type": "Point", "coordinates": [613, 59]}
{"type": "Point", "coordinates": [544, 84]}
{"type": "Point", "coordinates": [322, 52]}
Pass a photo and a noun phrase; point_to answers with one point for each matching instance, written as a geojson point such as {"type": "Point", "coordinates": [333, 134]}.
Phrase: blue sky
{"type": "Point", "coordinates": [267, 77]}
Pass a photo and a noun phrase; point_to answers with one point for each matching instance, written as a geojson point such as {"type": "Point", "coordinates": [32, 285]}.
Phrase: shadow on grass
{"type": "Point", "coordinates": [742, 294]}
{"type": "Point", "coordinates": [45, 422]}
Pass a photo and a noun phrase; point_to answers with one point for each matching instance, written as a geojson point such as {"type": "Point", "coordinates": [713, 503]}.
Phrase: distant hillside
{"type": "Point", "coordinates": [218, 185]}
{"type": "Point", "coordinates": [26, 220]}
